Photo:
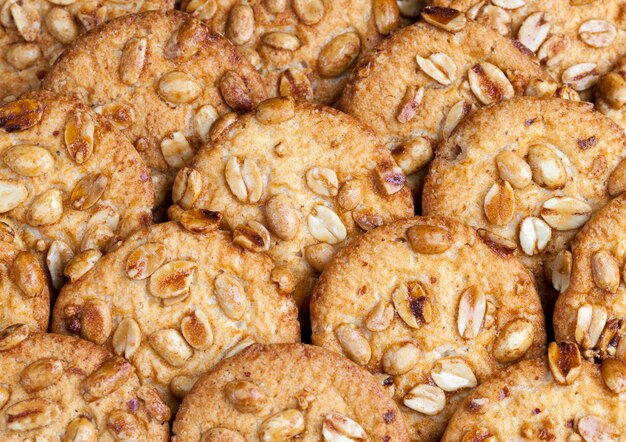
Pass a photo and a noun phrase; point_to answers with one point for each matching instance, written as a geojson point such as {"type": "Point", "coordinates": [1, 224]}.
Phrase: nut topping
{"type": "Point", "coordinates": [145, 260]}
{"type": "Point", "coordinates": [552, 50]}
{"type": "Point", "coordinates": [59, 254]}
{"type": "Point", "coordinates": [275, 110]}
{"type": "Point", "coordinates": [400, 358]}
{"type": "Point", "coordinates": [489, 84]}
{"type": "Point", "coordinates": [605, 271]}
{"type": "Point", "coordinates": [581, 76]}
{"type": "Point", "coordinates": [534, 235]}
{"type": "Point", "coordinates": [176, 150]}
{"type": "Point", "coordinates": [133, 60]}
{"type": "Point", "coordinates": [513, 169]}
{"type": "Point", "coordinates": [12, 194]}
{"type": "Point", "coordinates": [339, 54]}
{"type": "Point", "coordinates": [514, 340]}
{"type": "Point", "coordinates": [282, 426]}
{"type": "Point", "coordinates": [439, 66]}
{"type": "Point", "coordinates": [61, 25]}
{"type": "Point", "coordinates": [354, 343]}
{"type": "Point", "coordinates": [246, 396]}
{"type": "Point", "coordinates": [81, 264]}
{"type": "Point", "coordinates": [547, 168]}
{"type": "Point", "coordinates": [95, 321]}
{"type": "Point", "coordinates": [27, 19]}
{"type": "Point", "coordinates": [309, 12]}
{"type": "Point", "coordinates": [337, 427]}
{"type": "Point", "coordinates": [81, 429]}
{"type": "Point", "coordinates": [46, 208]}
{"type": "Point", "coordinates": [31, 414]}
{"type": "Point", "coordinates": [203, 120]}
{"type": "Point", "coordinates": [20, 115]}
{"type": "Point", "coordinates": [471, 312]}
{"type": "Point", "coordinates": [380, 317]}
{"type": "Point", "coordinates": [452, 374]}
{"type": "Point", "coordinates": [565, 362]}
{"type": "Point", "coordinates": [178, 88]}
{"type": "Point", "coordinates": [390, 177]}
{"type": "Point", "coordinates": [500, 204]}
{"type": "Point", "coordinates": [429, 240]}
{"type": "Point", "coordinates": [295, 83]}
{"type": "Point", "coordinates": [88, 191]}
{"type": "Point", "coordinates": [253, 236]}
{"type": "Point", "coordinates": [187, 187]}
{"type": "Point", "coordinates": [412, 304]}
{"type": "Point", "coordinates": [13, 335]}
{"type": "Point", "coordinates": [171, 346]}
{"type": "Point", "coordinates": [614, 374]}
{"type": "Point", "coordinates": [230, 295]}
{"type": "Point", "coordinates": [456, 113]}
{"type": "Point", "coordinates": [426, 399]}
{"type": "Point", "coordinates": [124, 426]}
{"type": "Point", "coordinates": [28, 160]}
{"type": "Point", "coordinates": [562, 270]}
{"type": "Point", "coordinates": [534, 30]}
{"type": "Point", "coordinates": [325, 225]}
{"type": "Point", "coordinates": [617, 179]}
{"type": "Point", "coordinates": [594, 429]}
{"type": "Point", "coordinates": [245, 181]}
{"type": "Point", "coordinates": [110, 376]}
{"type": "Point", "coordinates": [565, 213]}
{"type": "Point", "coordinates": [235, 92]}
{"type": "Point", "coordinates": [597, 33]}
{"type": "Point", "coordinates": [319, 255]}
{"type": "Point", "coordinates": [22, 55]}
{"type": "Point", "coordinates": [26, 273]}
{"type": "Point", "coordinates": [410, 103]}
{"type": "Point", "coordinates": [281, 41]}
{"type": "Point", "coordinates": [322, 181]}
{"type": "Point", "coordinates": [282, 218]}
{"type": "Point", "coordinates": [127, 338]}
{"type": "Point", "coordinates": [445, 18]}
{"type": "Point", "coordinates": [590, 322]}
{"type": "Point", "coordinates": [173, 279]}
{"type": "Point", "coordinates": [240, 24]}
{"type": "Point", "coordinates": [41, 374]}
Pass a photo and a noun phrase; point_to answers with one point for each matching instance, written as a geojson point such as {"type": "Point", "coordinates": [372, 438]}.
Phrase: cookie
{"type": "Point", "coordinates": [592, 309]}
{"type": "Point", "coordinates": [560, 397]}
{"type": "Point", "coordinates": [279, 392]}
{"type": "Point", "coordinates": [175, 301]}
{"type": "Point", "coordinates": [529, 171]}
{"type": "Point", "coordinates": [24, 294]}
{"type": "Point", "coordinates": [56, 387]}
{"type": "Point", "coordinates": [415, 87]}
{"type": "Point", "coordinates": [33, 33]}
{"type": "Point", "coordinates": [611, 93]}
{"type": "Point", "coordinates": [304, 48]}
{"type": "Point", "coordinates": [70, 183]}
{"type": "Point", "coordinates": [297, 180]}
{"type": "Point", "coordinates": [576, 41]}
{"type": "Point", "coordinates": [163, 78]}
{"type": "Point", "coordinates": [433, 309]}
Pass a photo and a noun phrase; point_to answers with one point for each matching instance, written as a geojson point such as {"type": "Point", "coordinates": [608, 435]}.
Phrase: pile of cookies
{"type": "Point", "coordinates": [338, 220]}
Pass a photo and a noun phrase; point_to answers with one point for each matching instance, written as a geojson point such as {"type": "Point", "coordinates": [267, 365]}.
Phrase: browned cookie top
{"type": "Point", "coordinates": [163, 78]}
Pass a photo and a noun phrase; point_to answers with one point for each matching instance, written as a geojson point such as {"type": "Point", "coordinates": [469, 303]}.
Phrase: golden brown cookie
{"type": "Point", "coordinates": [415, 87]}
{"type": "Point", "coordinates": [433, 309]}
{"type": "Point", "coordinates": [33, 33]}
{"type": "Point", "coordinates": [297, 180]}
{"type": "Point", "coordinates": [279, 392]}
{"type": "Point", "coordinates": [54, 387]}
{"type": "Point", "coordinates": [302, 48]}
{"type": "Point", "coordinates": [576, 41]}
{"type": "Point", "coordinates": [562, 398]}
{"type": "Point", "coordinates": [70, 182]}
{"type": "Point", "coordinates": [174, 302]}
{"type": "Point", "coordinates": [24, 294]}
{"type": "Point", "coordinates": [592, 311]}
{"type": "Point", "coordinates": [162, 78]}
{"type": "Point", "coordinates": [531, 172]}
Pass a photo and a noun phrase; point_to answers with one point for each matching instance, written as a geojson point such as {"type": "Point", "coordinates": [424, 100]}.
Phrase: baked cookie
{"type": "Point", "coordinates": [24, 294]}
{"type": "Point", "coordinates": [433, 309]}
{"type": "Point", "coordinates": [531, 172]}
{"type": "Point", "coordinates": [576, 41]}
{"type": "Point", "coordinates": [592, 311]}
{"type": "Point", "coordinates": [611, 93]}
{"type": "Point", "coordinates": [302, 48]}
{"type": "Point", "coordinates": [33, 33]}
{"type": "Point", "coordinates": [56, 387]}
{"type": "Point", "coordinates": [162, 78]}
{"type": "Point", "coordinates": [70, 182]}
{"type": "Point", "coordinates": [297, 180]}
{"type": "Point", "coordinates": [562, 398]}
{"type": "Point", "coordinates": [415, 87]}
{"type": "Point", "coordinates": [279, 392]}
{"type": "Point", "coordinates": [174, 302]}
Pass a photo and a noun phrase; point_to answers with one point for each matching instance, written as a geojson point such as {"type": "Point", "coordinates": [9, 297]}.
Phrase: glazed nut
{"type": "Point", "coordinates": [322, 181]}
{"type": "Point", "coordinates": [612, 89]}
{"type": "Point", "coordinates": [597, 33]}
{"type": "Point", "coordinates": [590, 322]}
{"type": "Point", "coordinates": [246, 396]}
{"type": "Point", "coordinates": [412, 156]}
{"type": "Point", "coordinates": [244, 180]}
{"type": "Point", "coordinates": [154, 403]}
{"type": "Point", "coordinates": [133, 60]}
{"type": "Point", "coordinates": [41, 374]}
{"type": "Point", "coordinates": [283, 41]}
{"type": "Point", "coordinates": [282, 426]}
{"type": "Point", "coordinates": [319, 255]}
{"type": "Point", "coordinates": [367, 219]}
{"type": "Point", "coordinates": [390, 177]}
{"type": "Point", "coordinates": [176, 150]}
{"type": "Point", "coordinates": [494, 16]}
{"type": "Point", "coordinates": [499, 204]}
{"type": "Point", "coordinates": [26, 273]}
{"type": "Point", "coordinates": [26, 18]}
{"type": "Point", "coordinates": [354, 343]}
{"type": "Point", "coordinates": [438, 66]}
{"type": "Point", "coordinates": [617, 179]}
{"type": "Point", "coordinates": [513, 169]}
{"type": "Point", "coordinates": [88, 191]}
{"type": "Point", "coordinates": [471, 312]}
{"type": "Point", "coordinates": [20, 115]}
{"type": "Point", "coordinates": [565, 213]}
{"type": "Point", "coordinates": [496, 242]}
{"type": "Point", "coordinates": [187, 40]}
{"type": "Point", "coordinates": [553, 48]}
{"type": "Point", "coordinates": [178, 88]}
{"type": "Point", "coordinates": [81, 429]}
{"type": "Point", "coordinates": [339, 54]}
{"type": "Point", "coordinates": [410, 8]}
{"type": "Point", "coordinates": [59, 254]}
{"type": "Point", "coordinates": [23, 55]}
{"type": "Point", "coordinates": [170, 345]}
{"type": "Point", "coordinates": [61, 25]}
{"type": "Point", "coordinates": [126, 338]}
{"type": "Point", "coordinates": [203, 121]}
{"type": "Point", "coordinates": [534, 30]}
{"type": "Point", "coordinates": [429, 240]}
{"type": "Point", "coordinates": [240, 24]}
{"type": "Point", "coordinates": [275, 6]}
{"type": "Point", "coordinates": [605, 271]}
{"type": "Point", "coordinates": [309, 12]}
{"type": "Point", "coordinates": [235, 92]}
{"type": "Point", "coordinates": [592, 428]}
{"type": "Point", "coordinates": [12, 194]}
{"type": "Point", "coordinates": [187, 187]}
{"type": "Point", "coordinates": [386, 16]}
{"type": "Point", "coordinates": [121, 114]}
{"type": "Point", "coordinates": [13, 335]}
{"type": "Point", "coordinates": [412, 304]}
{"type": "Point", "coordinates": [489, 84]}
{"type": "Point", "coordinates": [380, 317]}
{"type": "Point", "coordinates": [337, 427]}
{"type": "Point", "coordinates": [110, 376]}
{"type": "Point", "coordinates": [240, 346]}
{"type": "Point", "coordinates": [181, 385]}
{"type": "Point", "coordinates": [199, 220]}
{"type": "Point", "coordinates": [124, 426]}
{"type": "Point", "coordinates": [172, 279]}
{"type": "Point", "coordinates": [410, 104]}
{"type": "Point", "coordinates": [253, 236]}
{"type": "Point", "coordinates": [281, 217]}
{"type": "Point", "coordinates": [79, 135]}
{"type": "Point", "coordinates": [400, 358]}
{"type": "Point", "coordinates": [445, 18]}
{"type": "Point", "coordinates": [534, 235]}
{"type": "Point", "coordinates": [28, 160]}
{"type": "Point", "coordinates": [275, 110]}
{"type": "Point", "coordinates": [564, 361]}
{"type": "Point", "coordinates": [614, 374]}
{"type": "Point", "coordinates": [514, 341]}
{"type": "Point", "coordinates": [96, 321]}
{"type": "Point", "coordinates": [31, 414]}
{"type": "Point", "coordinates": [295, 83]}
{"type": "Point", "coordinates": [145, 260]}
{"type": "Point", "coordinates": [453, 374]}
{"type": "Point", "coordinates": [325, 225]}
{"type": "Point", "coordinates": [426, 399]}
{"type": "Point", "coordinates": [46, 208]}
{"type": "Point", "coordinates": [230, 296]}
{"type": "Point", "coordinates": [456, 113]}
{"type": "Point", "coordinates": [547, 168]}
{"type": "Point", "coordinates": [581, 76]}
{"type": "Point", "coordinates": [562, 270]}
{"type": "Point", "coordinates": [538, 87]}
{"type": "Point", "coordinates": [81, 264]}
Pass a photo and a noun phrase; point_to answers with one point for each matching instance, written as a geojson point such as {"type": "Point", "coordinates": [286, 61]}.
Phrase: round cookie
{"type": "Point", "coordinates": [279, 392]}
{"type": "Point", "coordinates": [297, 180]}
{"type": "Point", "coordinates": [592, 311]}
{"type": "Point", "coordinates": [69, 181]}
{"type": "Point", "coordinates": [174, 302]}
{"type": "Point", "coordinates": [433, 309]}
{"type": "Point", "coordinates": [24, 293]}
{"type": "Point", "coordinates": [563, 398]}
{"type": "Point", "coordinates": [166, 79]}
{"type": "Point", "coordinates": [33, 33]}
{"type": "Point", "coordinates": [531, 171]}
{"type": "Point", "coordinates": [56, 387]}
{"type": "Point", "coordinates": [576, 41]}
{"type": "Point", "coordinates": [304, 48]}
{"type": "Point", "coordinates": [415, 87]}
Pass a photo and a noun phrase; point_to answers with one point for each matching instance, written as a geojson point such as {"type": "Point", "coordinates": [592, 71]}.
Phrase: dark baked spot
{"type": "Point", "coordinates": [388, 381]}
{"type": "Point", "coordinates": [389, 417]}
{"type": "Point", "coordinates": [133, 405]}
{"type": "Point", "coordinates": [504, 393]}
{"type": "Point", "coordinates": [523, 49]}
{"type": "Point", "coordinates": [530, 121]}
{"type": "Point", "coordinates": [588, 143]}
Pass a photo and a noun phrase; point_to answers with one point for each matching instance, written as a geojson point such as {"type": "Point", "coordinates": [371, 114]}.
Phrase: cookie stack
{"type": "Point", "coordinates": [349, 220]}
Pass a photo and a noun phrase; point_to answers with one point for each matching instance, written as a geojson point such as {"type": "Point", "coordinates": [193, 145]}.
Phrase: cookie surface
{"type": "Point", "coordinates": [69, 181]}
{"type": "Point", "coordinates": [304, 48]}
{"type": "Point", "coordinates": [292, 390]}
{"type": "Point", "coordinates": [526, 402]}
{"type": "Point", "coordinates": [60, 388]}
{"type": "Point", "coordinates": [592, 310]}
{"type": "Point", "coordinates": [175, 302]}
{"type": "Point", "coordinates": [33, 34]}
{"type": "Point", "coordinates": [166, 78]}
{"type": "Point", "coordinates": [298, 180]}
{"type": "Point", "coordinates": [414, 87]}
{"type": "Point", "coordinates": [529, 170]}
{"type": "Point", "coordinates": [24, 293]}
{"type": "Point", "coordinates": [575, 41]}
{"type": "Point", "coordinates": [432, 309]}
